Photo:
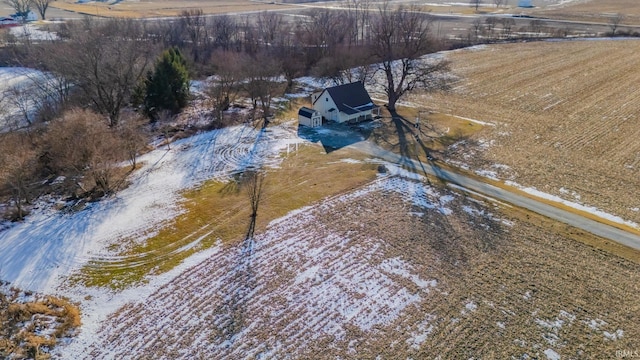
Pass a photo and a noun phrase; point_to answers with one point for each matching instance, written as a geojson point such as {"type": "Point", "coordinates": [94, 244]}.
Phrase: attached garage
{"type": "Point", "coordinates": [309, 117]}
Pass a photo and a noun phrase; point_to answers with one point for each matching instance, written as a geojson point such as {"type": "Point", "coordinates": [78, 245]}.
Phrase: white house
{"type": "Point", "coordinates": [22, 17]}
{"type": "Point", "coordinates": [344, 103]}
{"type": "Point", "coordinates": [309, 117]}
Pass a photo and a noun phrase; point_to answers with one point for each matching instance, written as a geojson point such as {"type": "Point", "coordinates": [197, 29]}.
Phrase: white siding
{"type": "Point", "coordinates": [325, 103]}
{"type": "Point", "coordinates": [314, 121]}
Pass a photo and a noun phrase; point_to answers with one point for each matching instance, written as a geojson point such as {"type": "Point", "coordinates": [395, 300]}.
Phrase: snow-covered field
{"type": "Point", "coordinates": [300, 284]}
{"type": "Point", "coordinates": [40, 252]}
{"type": "Point", "coordinates": [394, 267]}
{"type": "Point", "coordinates": [19, 95]}
{"type": "Point", "coordinates": [373, 271]}
{"type": "Point", "coordinates": [319, 279]}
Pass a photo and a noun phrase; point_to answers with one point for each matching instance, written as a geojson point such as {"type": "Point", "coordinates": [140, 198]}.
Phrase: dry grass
{"type": "Point", "coordinates": [31, 329]}
{"type": "Point", "coordinates": [565, 123]}
{"type": "Point", "coordinates": [161, 8]}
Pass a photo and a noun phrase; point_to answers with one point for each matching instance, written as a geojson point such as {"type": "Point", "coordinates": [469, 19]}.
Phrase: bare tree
{"type": "Point", "coordinates": [82, 146]}
{"type": "Point", "coordinates": [270, 26]}
{"type": "Point", "coordinates": [132, 138]}
{"type": "Point", "coordinates": [614, 23]}
{"type": "Point", "coordinates": [499, 3]}
{"type": "Point", "coordinates": [224, 85]}
{"type": "Point", "coordinates": [290, 54]}
{"type": "Point", "coordinates": [106, 60]}
{"type": "Point", "coordinates": [491, 23]}
{"type": "Point", "coordinates": [476, 3]}
{"type": "Point", "coordinates": [536, 26]}
{"type": "Point", "coordinates": [400, 38]}
{"type": "Point", "coordinates": [21, 98]}
{"type": "Point", "coordinates": [18, 160]}
{"type": "Point", "coordinates": [261, 83]}
{"type": "Point", "coordinates": [323, 31]}
{"type": "Point", "coordinates": [41, 6]}
{"type": "Point", "coordinates": [253, 181]}
{"type": "Point", "coordinates": [21, 7]}
{"type": "Point", "coordinates": [507, 27]}
{"type": "Point", "coordinates": [194, 24]}
{"type": "Point", "coordinates": [358, 20]}
{"type": "Point", "coordinates": [347, 65]}
{"type": "Point", "coordinates": [476, 27]}
{"type": "Point", "coordinates": [224, 31]}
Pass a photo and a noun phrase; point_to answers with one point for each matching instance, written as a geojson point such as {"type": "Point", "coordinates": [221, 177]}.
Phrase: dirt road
{"type": "Point", "coordinates": [597, 228]}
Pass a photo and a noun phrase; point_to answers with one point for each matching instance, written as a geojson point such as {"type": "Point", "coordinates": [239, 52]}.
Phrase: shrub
{"type": "Point", "coordinates": [81, 145]}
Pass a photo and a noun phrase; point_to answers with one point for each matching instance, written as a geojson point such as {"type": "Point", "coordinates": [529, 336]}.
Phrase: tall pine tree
{"type": "Point", "coordinates": [167, 88]}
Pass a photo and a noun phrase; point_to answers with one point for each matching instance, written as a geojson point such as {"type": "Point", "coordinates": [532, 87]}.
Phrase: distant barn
{"type": "Point", "coordinates": [524, 3]}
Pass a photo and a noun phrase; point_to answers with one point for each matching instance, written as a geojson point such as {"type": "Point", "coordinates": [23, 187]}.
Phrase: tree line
{"type": "Point", "coordinates": [104, 80]}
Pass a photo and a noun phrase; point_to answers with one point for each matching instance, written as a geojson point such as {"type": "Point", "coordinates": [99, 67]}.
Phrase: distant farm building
{"type": "Point", "coordinates": [524, 3]}
{"type": "Point", "coordinates": [348, 103]}
{"type": "Point", "coordinates": [309, 117]}
{"type": "Point", "coordinates": [8, 22]}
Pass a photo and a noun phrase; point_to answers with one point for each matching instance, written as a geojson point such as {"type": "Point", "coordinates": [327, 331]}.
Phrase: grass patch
{"type": "Point", "coordinates": [31, 329]}
{"type": "Point", "coordinates": [220, 211]}
{"type": "Point", "coordinates": [437, 131]}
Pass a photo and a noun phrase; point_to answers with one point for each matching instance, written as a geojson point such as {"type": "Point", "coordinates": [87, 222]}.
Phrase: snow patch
{"type": "Point", "coordinates": [423, 330]}
{"type": "Point", "coordinates": [471, 306]}
{"type": "Point", "coordinates": [551, 355]}
{"type": "Point", "coordinates": [613, 336]}
{"type": "Point", "coordinates": [574, 205]}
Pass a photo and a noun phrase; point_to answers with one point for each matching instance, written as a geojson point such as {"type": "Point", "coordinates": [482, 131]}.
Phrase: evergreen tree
{"type": "Point", "coordinates": [167, 87]}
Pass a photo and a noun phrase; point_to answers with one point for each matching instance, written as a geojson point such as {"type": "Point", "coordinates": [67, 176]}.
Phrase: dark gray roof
{"type": "Point", "coordinates": [350, 98]}
{"type": "Point", "coordinates": [306, 112]}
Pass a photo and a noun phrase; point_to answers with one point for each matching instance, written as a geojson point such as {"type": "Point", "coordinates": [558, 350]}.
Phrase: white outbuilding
{"type": "Point", "coordinates": [309, 117]}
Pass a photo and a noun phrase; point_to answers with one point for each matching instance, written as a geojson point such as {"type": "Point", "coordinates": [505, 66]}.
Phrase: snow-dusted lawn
{"type": "Point", "coordinates": [40, 252]}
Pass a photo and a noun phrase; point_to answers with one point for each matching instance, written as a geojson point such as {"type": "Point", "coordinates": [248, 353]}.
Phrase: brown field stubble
{"type": "Point", "coordinates": [594, 10]}
{"type": "Point", "coordinates": [566, 116]}
{"type": "Point", "coordinates": [163, 8]}
{"type": "Point", "coordinates": [501, 291]}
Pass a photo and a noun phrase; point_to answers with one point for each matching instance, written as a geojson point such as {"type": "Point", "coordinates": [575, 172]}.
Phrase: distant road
{"type": "Point", "coordinates": [597, 228]}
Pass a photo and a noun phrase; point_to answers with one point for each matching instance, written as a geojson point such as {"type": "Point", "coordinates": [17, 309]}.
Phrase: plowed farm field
{"type": "Point", "coordinates": [163, 8]}
{"type": "Point", "coordinates": [592, 10]}
{"type": "Point", "coordinates": [395, 269]}
{"type": "Point", "coordinates": [562, 117]}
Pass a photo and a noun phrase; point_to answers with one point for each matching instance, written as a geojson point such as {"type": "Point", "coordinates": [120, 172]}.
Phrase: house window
{"type": "Point", "coordinates": [326, 99]}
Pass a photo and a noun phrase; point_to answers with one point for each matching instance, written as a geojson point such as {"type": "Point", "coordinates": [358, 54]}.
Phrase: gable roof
{"type": "Point", "coordinates": [350, 98]}
{"type": "Point", "coordinates": [306, 112]}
